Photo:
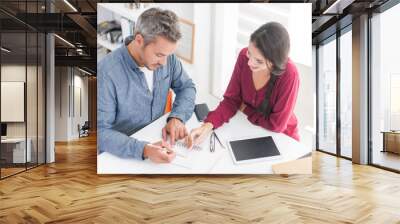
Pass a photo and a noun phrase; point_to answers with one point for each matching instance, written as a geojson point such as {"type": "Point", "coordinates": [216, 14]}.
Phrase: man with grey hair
{"type": "Point", "coordinates": [134, 82]}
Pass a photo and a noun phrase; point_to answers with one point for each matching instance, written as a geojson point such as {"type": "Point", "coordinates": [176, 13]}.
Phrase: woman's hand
{"type": "Point", "coordinates": [198, 135]}
{"type": "Point", "coordinates": [242, 107]}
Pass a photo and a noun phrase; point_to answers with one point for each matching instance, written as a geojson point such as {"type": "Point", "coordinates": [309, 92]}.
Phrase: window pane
{"type": "Point", "coordinates": [346, 94]}
{"type": "Point", "coordinates": [385, 89]}
{"type": "Point", "coordinates": [13, 86]}
{"type": "Point", "coordinates": [327, 96]}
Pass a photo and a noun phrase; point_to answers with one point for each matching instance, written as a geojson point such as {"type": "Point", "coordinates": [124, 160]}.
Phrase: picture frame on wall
{"type": "Point", "coordinates": [185, 49]}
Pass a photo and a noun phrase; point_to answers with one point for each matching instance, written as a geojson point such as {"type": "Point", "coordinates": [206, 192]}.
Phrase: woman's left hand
{"type": "Point", "coordinates": [198, 135]}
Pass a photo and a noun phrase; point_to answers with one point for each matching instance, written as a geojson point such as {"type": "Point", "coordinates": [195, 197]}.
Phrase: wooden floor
{"type": "Point", "coordinates": [70, 191]}
{"type": "Point", "coordinates": [387, 159]}
{"type": "Point", "coordinates": [10, 171]}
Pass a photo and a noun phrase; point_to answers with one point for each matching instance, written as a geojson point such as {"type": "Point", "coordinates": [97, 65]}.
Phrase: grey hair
{"type": "Point", "coordinates": [157, 22]}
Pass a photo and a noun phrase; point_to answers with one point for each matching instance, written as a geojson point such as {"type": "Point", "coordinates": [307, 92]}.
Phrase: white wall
{"type": "Point", "coordinates": [224, 42]}
{"type": "Point", "coordinates": [61, 103]}
{"type": "Point", "coordinates": [202, 60]}
{"type": "Point", "coordinates": [12, 100]}
{"type": "Point", "coordinates": [305, 105]}
{"type": "Point", "coordinates": [66, 121]}
{"type": "Point", "coordinates": [80, 82]}
{"type": "Point", "coordinates": [185, 11]}
{"type": "Point", "coordinates": [200, 15]}
{"type": "Point", "coordinates": [300, 32]}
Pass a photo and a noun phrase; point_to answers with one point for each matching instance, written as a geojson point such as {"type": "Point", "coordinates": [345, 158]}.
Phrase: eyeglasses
{"type": "Point", "coordinates": [212, 141]}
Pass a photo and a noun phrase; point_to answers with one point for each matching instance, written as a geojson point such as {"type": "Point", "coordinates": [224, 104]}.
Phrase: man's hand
{"type": "Point", "coordinates": [176, 130]}
{"type": "Point", "coordinates": [159, 152]}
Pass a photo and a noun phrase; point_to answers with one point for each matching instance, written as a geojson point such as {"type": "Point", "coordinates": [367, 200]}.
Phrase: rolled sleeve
{"type": "Point", "coordinates": [185, 91]}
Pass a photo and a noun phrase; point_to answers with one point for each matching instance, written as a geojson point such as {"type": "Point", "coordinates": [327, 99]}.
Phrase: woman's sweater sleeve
{"type": "Point", "coordinates": [232, 97]}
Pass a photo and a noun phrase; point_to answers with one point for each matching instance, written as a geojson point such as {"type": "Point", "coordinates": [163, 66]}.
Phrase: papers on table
{"type": "Point", "coordinates": [181, 149]}
{"type": "Point", "coordinates": [195, 157]}
{"type": "Point", "coordinates": [183, 154]}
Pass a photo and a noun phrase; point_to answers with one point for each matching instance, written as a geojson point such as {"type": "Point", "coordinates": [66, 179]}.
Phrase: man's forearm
{"type": "Point", "coordinates": [184, 104]}
{"type": "Point", "coordinates": [120, 144]}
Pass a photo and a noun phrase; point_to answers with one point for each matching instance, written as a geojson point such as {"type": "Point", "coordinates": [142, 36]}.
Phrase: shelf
{"type": "Point", "coordinates": [121, 10]}
{"type": "Point", "coordinates": [107, 44]}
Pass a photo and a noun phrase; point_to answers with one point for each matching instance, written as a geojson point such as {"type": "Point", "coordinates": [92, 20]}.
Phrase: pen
{"type": "Point", "coordinates": [166, 150]}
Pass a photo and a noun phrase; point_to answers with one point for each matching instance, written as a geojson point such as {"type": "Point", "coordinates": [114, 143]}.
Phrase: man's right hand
{"type": "Point", "coordinates": [159, 152]}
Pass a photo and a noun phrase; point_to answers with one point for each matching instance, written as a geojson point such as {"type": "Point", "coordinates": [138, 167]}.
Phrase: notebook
{"type": "Point", "coordinates": [253, 149]}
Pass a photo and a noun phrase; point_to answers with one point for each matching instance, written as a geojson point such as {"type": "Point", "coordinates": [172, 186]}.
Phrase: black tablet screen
{"type": "Point", "coordinates": [254, 148]}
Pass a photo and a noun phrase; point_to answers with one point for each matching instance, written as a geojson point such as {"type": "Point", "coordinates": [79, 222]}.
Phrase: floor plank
{"type": "Point", "coordinates": [70, 191]}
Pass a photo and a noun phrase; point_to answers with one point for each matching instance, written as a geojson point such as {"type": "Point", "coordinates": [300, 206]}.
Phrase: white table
{"type": "Point", "coordinates": [205, 162]}
{"type": "Point", "coordinates": [19, 155]}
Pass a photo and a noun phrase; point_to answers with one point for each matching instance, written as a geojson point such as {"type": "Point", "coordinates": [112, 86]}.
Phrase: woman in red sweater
{"type": "Point", "coordinates": [264, 86]}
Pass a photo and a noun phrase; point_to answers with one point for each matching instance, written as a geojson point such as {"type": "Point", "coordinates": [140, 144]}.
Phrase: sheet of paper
{"type": "Point", "coordinates": [181, 149]}
{"type": "Point", "coordinates": [194, 158]}
{"type": "Point", "coordinates": [183, 154]}
{"type": "Point", "coordinates": [182, 162]}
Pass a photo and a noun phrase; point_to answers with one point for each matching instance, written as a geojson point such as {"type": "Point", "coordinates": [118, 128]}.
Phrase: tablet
{"type": "Point", "coordinates": [253, 149]}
